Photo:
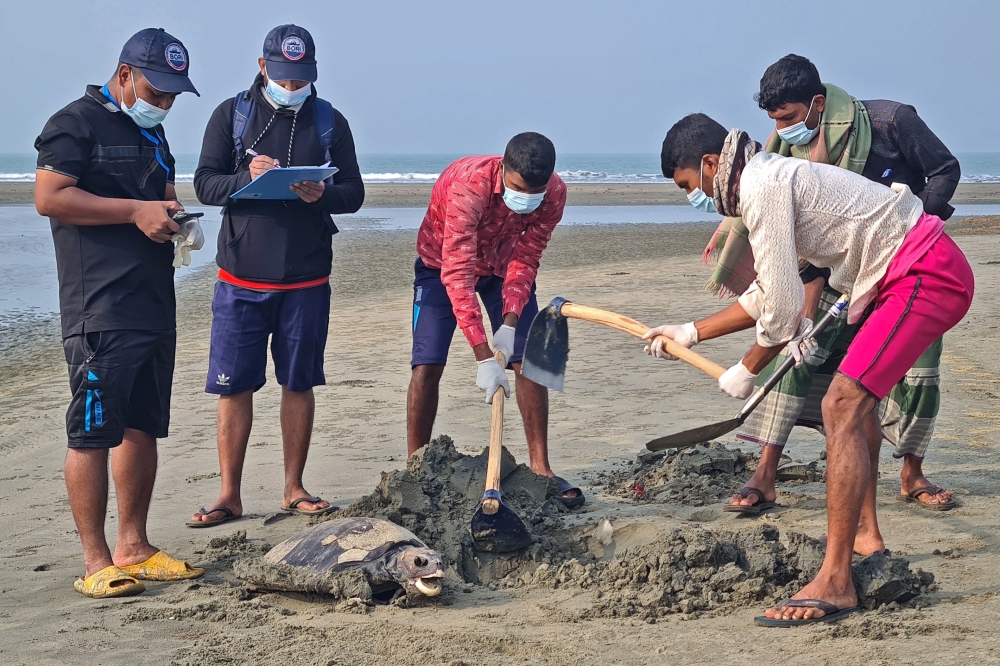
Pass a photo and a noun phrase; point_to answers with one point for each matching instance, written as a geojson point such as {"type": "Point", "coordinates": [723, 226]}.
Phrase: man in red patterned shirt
{"type": "Point", "coordinates": [489, 220]}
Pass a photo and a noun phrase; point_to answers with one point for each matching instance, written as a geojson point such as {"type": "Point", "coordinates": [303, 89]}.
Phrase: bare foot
{"type": "Point", "coordinates": [234, 504]}
{"type": "Point", "coordinates": [763, 479]}
{"type": "Point", "coordinates": [292, 494]}
{"type": "Point", "coordinates": [865, 543]}
{"type": "Point", "coordinates": [912, 476]}
{"type": "Point", "coordinates": [126, 554]}
{"type": "Point", "coordinates": [819, 588]}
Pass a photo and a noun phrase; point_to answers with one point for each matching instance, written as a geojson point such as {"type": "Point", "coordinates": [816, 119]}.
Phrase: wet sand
{"type": "Point", "coordinates": [616, 399]}
{"type": "Point", "coordinates": [384, 195]}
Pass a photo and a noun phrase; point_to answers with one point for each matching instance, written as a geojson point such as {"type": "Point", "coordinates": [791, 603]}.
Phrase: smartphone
{"type": "Point", "coordinates": [184, 216]}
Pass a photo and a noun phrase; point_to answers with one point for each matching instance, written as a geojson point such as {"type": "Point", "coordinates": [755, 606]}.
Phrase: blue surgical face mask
{"type": "Point", "coordinates": [522, 202]}
{"type": "Point", "coordinates": [142, 113]}
{"type": "Point", "coordinates": [798, 134]}
{"type": "Point", "coordinates": [698, 198]}
{"type": "Point", "coordinates": [284, 97]}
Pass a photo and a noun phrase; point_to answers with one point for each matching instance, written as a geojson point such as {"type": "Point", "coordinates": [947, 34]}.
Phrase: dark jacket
{"type": "Point", "coordinates": [276, 241]}
{"type": "Point", "coordinates": [905, 150]}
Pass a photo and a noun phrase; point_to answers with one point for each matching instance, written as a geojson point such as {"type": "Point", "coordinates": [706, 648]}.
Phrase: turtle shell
{"type": "Point", "coordinates": [341, 544]}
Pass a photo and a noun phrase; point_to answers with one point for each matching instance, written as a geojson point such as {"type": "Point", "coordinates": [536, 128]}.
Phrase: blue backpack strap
{"type": "Point", "coordinates": [324, 125]}
{"type": "Point", "coordinates": [242, 113]}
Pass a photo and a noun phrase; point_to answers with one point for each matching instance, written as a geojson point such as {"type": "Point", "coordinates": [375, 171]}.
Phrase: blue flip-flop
{"type": "Point", "coordinates": [564, 487]}
{"type": "Point", "coordinates": [831, 613]}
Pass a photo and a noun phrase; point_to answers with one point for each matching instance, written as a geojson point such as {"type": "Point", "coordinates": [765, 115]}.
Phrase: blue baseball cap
{"type": "Point", "coordinates": [290, 54]}
{"type": "Point", "coordinates": [161, 58]}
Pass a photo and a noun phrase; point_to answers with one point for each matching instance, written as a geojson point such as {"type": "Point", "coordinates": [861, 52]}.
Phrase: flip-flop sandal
{"type": "Point", "coordinates": [754, 509]}
{"type": "Point", "coordinates": [913, 498]}
{"type": "Point", "coordinates": [212, 523]}
{"type": "Point", "coordinates": [102, 584]}
{"type": "Point", "coordinates": [162, 567]}
{"type": "Point", "coordinates": [831, 613]}
{"type": "Point", "coordinates": [293, 507]}
{"type": "Point", "coordinates": [565, 487]}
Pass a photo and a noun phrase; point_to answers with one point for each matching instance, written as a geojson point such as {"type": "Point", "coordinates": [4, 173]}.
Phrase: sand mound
{"type": "Point", "coordinates": [437, 494]}
{"type": "Point", "coordinates": [696, 571]}
{"type": "Point", "coordinates": [696, 476]}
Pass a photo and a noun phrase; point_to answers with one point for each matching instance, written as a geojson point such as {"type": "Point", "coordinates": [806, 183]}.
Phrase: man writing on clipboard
{"type": "Point", "coordinates": [275, 258]}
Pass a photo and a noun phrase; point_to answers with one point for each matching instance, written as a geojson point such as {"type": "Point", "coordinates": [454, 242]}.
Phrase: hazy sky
{"type": "Point", "coordinates": [463, 76]}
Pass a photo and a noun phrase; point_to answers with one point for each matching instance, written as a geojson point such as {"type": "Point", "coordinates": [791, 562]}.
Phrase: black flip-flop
{"type": "Point", "coordinates": [831, 613]}
{"type": "Point", "coordinates": [913, 498]}
{"type": "Point", "coordinates": [569, 502]}
{"type": "Point", "coordinates": [293, 507]}
{"type": "Point", "coordinates": [212, 523]}
{"type": "Point", "coordinates": [754, 509]}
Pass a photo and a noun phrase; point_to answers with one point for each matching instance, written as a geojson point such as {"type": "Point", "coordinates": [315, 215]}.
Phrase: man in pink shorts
{"type": "Point", "coordinates": [908, 280]}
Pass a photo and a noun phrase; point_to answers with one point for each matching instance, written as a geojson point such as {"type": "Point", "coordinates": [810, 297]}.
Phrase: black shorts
{"type": "Point", "coordinates": [119, 379]}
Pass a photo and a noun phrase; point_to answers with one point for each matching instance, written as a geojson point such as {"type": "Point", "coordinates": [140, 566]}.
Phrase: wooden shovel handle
{"type": "Point", "coordinates": [632, 327]}
{"type": "Point", "coordinates": [491, 506]}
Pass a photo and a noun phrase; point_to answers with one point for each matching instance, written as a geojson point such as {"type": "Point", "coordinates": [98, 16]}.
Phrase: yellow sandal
{"type": "Point", "coordinates": [162, 567]}
{"type": "Point", "coordinates": [102, 585]}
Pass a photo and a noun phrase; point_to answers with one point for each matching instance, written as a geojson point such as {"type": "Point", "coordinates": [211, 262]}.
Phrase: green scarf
{"type": "Point", "coordinates": [844, 140]}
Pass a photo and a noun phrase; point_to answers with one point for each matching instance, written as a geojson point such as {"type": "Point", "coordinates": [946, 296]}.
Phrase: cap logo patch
{"type": "Point", "coordinates": [293, 48]}
{"type": "Point", "coordinates": [176, 57]}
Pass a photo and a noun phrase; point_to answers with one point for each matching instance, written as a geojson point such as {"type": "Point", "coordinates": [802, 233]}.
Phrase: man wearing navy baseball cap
{"type": "Point", "coordinates": [275, 258]}
{"type": "Point", "coordinates": [105, 180]}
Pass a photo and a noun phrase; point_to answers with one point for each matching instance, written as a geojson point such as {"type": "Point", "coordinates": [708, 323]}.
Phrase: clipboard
{"type": "Point", "coordinates": [273, 184]}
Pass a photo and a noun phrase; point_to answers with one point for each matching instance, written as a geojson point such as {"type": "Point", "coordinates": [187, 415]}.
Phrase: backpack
{"type": "Point", "coordinates": [243, 108]}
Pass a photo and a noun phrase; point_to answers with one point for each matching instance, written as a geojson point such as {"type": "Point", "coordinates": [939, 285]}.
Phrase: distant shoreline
{"type": "Point", "coordinates": [387, 195]}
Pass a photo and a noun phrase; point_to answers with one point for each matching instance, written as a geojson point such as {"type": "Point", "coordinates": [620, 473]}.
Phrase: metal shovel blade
{"type": "Point", "coordinates": [501, 532]}
{"type": "Point", "coordinates": [695, 435]}
{"type": "Point", "coordinates": [547, 347]}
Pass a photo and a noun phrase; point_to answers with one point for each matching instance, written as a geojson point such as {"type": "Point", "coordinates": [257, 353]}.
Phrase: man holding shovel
{"type": "Point", "coordinates": [890, 257]}
{"type": "Point", "coordinates": [489, 221]}
{"type": "Point", "coordinates": [885, 142]}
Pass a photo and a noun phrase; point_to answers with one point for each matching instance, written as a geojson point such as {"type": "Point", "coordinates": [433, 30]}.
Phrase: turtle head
{"type": "Point", "coordinates": [420, 568]}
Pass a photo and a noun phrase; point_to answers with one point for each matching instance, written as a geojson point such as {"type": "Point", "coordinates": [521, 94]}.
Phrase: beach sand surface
{"type": "Point", "coordinates": [616, 399]}
{"type": "Point", "coordinates": [387, 195]}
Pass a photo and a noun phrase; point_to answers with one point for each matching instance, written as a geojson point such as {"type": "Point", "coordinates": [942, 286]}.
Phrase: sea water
{"type": "Point", "coordinates": [573, 168]}
{"type": "Point", "coordinates": [28, 265]}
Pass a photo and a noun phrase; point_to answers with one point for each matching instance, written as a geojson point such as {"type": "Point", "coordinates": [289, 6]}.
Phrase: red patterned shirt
{"type": "Point", "coordinates": [469, 233]}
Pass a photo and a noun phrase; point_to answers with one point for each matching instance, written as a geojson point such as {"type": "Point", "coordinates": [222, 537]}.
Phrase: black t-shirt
{"type": "Point", "coordinates": [111, 277]}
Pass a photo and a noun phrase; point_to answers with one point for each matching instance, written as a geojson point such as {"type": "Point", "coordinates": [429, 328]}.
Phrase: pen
{"type": "Point", "coordinates": [253, 153]}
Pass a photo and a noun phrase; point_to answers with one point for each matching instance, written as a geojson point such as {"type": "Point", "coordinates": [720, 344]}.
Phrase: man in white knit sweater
{"type": "Point", "coordinates": [907, 280]}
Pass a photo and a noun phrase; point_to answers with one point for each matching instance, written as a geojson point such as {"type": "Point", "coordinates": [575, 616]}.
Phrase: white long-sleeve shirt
{"type": "Point", "coordinates": [831, 217]}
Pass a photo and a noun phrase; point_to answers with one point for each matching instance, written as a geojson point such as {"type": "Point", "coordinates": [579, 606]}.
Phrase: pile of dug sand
{"type": "Point", "coordinates": [437, 494]}
{"type": "Point", "coordinates": [695, 571]}
{"type": "Point", "coordinates": [696, 476]}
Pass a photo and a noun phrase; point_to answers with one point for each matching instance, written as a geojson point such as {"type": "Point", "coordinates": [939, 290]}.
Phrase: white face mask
{"type": "Point", "coordinates": [521, 202]}
{"type": "Point", "coordinates": [283, 97]}
{"type": "Point", "coordinates": [142, 113]}
{"type": "Point", "coordinates": [798, 134]}
{"type": "Point", "coordinates": [698, 198]}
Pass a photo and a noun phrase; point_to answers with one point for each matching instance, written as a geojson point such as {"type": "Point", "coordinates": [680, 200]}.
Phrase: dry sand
{"type": "Point", "coordinates": [616, 399]}
{"type": "Point", "coordinates": [385, 195]}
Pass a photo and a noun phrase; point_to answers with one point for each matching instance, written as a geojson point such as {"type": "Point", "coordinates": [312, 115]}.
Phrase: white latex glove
{"type": "Point", "coordinates": [489, 377]}
{"type": "Point", "coordinates": [685, 335]}
{"type": "Point", "coordinates": [503, 341]}
{"type": "Point", "coordinates": [803, 345]}
{"type": "Point", "coordinates": [188, 237]}
{"type": "Point", "coordinates": [737, 381]}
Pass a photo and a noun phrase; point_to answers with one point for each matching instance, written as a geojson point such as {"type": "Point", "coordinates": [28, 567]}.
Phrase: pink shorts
{"type": "Point", "coordinates": [915, 305]}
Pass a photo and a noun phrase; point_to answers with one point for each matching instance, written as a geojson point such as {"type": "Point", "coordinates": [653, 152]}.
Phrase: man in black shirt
{"type": "Point", "coordinates": [105, 179]}
{"type": "Point", "coordinates": [275, 258]}
{"type": "Point", "coordinates": [900, 149]}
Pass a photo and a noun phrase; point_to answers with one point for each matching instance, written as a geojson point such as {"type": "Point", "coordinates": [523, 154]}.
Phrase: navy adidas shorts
{"type": "Point", "coordinates": [296, 320]}
{"type": "Point", "coordinates": [119, 379]}
{"type": "Point", "coordinates": [434, 319]}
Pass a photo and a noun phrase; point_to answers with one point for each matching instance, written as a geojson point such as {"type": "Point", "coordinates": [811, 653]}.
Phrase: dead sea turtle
{"type": "Point", "coordinates": [348, 557]}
